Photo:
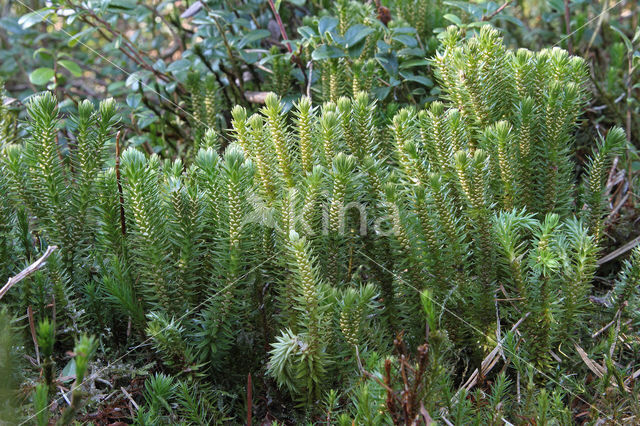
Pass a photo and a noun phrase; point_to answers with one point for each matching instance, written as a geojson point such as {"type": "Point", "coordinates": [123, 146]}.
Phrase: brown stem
{"type": "Point", "coordinates": [295, 58]}
{"type": "Point", "coordinates": [32, 328]}
{"type": "Point", "coordinates": [283, 32]}
{"type": "Point", "coordinates": [567, 25]}
{"type": "Point", "coordinates": [370, 375]}
{"type": "Point", "coordinates": [500, 9]}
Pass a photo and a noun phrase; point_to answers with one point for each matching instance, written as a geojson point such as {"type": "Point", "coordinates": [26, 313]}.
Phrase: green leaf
{"type": "Point", "coordinates": [46, 53]}
{"type": "Point", "coordinates": [508, 18]}
{"type": "Point", "coordinates": [635, 60]}
{"type": "Point", "coordinates": [159, 65]}
{"type": "Point", "coordinates": [624, 37]}
{"type": "Point", "coordinates": [11, 26]}
{"type": "Point", "coordinates": [557, 5]}
{"type": "Point", "coordinates": [453, 18]}
{"type": "Point", "coordinates": [122, 4]}
{"type": "Point", "coordinates": [414, 63]}
{"type": "Point", "coordinates": [72, 67]}
{"type": "Point", "coordinates": [35, 17]}
{"type": "Point", "coordinates": [383, 47]}
{"type": "Point", "coordinates": [74, 39]}
{"type": "Point", "coordinates": [250, 57]}
{"type": "Point", "coordinates": [41, 76]}
{"type": "Point", "coordinates": [324, 52]}
{"type": "Point", "coordinates": [135, 79]}
{"type": "Point", "coordinates": [133, 100]}
{"type": "Point", "coordinates": [138, 140]}
{"type": "Point", "coordinates": [356, 33]}
{"type": "Point", "coordinates": [382, 92]}
{"type": "Point", "coordinates": [146, 120]}
{"type": "Point", "coordinates": [407, 40]}
{"type": "Point", "coordinates": [69, 371]}
{"type": "Point", "coordinates": [179, 65]}
{"type": "Point", "coordinates": [412, 52]}
{"type": "Point", "coordinates": [404, 30]}
{"type": "Point", "coordinates": [426, 81]}
{"type": "Point", "coordinates": [256, 35]}
{"type": "Point", "coordinates": [326, 23]}
{"type": "Point", "coordinates": [306, 32]}
{"type": "Point", "coordinates": [116, 86]}
{"type": "Point", "coordinates": [389, 62]}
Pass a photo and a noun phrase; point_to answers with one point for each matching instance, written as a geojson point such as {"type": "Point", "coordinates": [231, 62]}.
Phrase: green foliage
{"type": "Point", "coordinates": [8, 122]}
{"type": "Point", "coordinates": [83, 352]}
{"type": "Point", "coordinates": [46, 338]}
{"type": "Point", "coordinates": [10, 367]}
{"type": "Point", "coordinates": [626, 288]}
{"type": "Point", "coordinates": [358, 260]}
{"type": "Point", "coordinates": [347, 45]}
{"type": "Point", "coordinates": [282, 69]}
{"type": "Point", "coordinates": [205, 104]}
{"type": "Point", "coordinates": [40, 402]}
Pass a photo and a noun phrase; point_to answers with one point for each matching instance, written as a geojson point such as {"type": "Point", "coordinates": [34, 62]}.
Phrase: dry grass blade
{"type": "Point", "coordinates": [129, 397]}
{"type": "Point", "coordinates": [489, 361]}
{"type": "Point", "coordinates": [632, 377]}
{"type": "Point", "coordinates": [620, 251]}
{"type": "Point", "coordinates": [596, 368]}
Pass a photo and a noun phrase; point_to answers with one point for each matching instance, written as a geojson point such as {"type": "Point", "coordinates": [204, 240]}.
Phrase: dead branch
{"type": "Point", "coordinates": [625, 248]}
{"type": "Point", "coordinates": [27, 271]}
{"type": "Point", "coordinates": [500, 9]}
{"type": "Point", "coordinates": [489, 361]}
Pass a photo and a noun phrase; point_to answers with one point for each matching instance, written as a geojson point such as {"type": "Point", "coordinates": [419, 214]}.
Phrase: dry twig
{"type": "Point", "coordinates": [489, 361]}
{"type": "Point", "coordinates": [27, 271]}
{"type": "Point", "coordinates": [622, 250]}
{"type": "Point", "coordinates": [500, 9]}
